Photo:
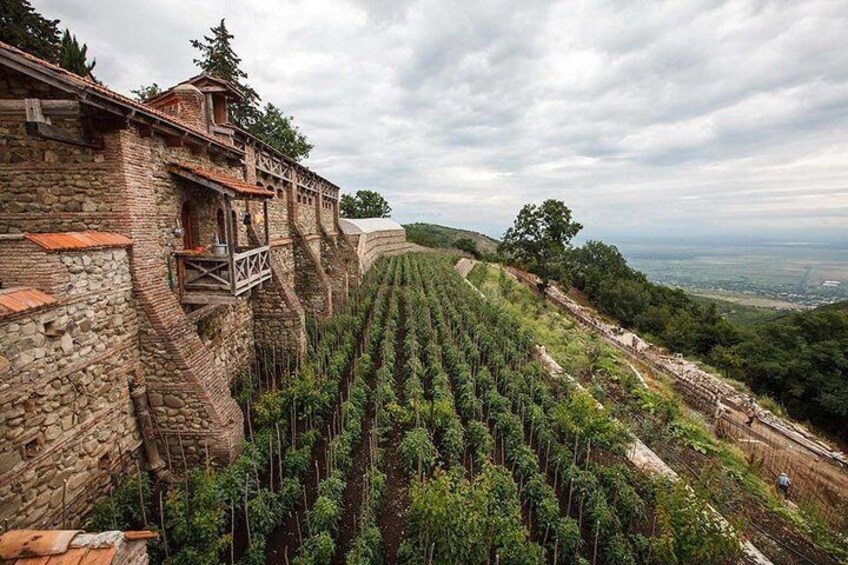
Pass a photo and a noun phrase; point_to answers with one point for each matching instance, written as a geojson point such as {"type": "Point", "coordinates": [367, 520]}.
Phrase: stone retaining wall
{"type": "Point", "coordinates": [66, 417]}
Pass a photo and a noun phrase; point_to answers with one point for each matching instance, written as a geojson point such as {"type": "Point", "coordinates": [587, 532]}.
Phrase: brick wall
{"type": "Point", "coordinates": [188, 392]}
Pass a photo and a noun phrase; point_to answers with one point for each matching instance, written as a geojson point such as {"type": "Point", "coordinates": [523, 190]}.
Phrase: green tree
{"type": "Point", "coordinates": [540, 240]}
{"type": "Point", "coordinates": [146, 92]}
{"type": "Point", "coordinates": [26, 29]}
{"type": "Point", "coordinates": [278, 131]}
{"type": "Point", "coordinates": [218, 58]}
{"type": "Point", "coordinates": [364, 204]}
{"type": "Point", "coordinates": [467, 244]}
{"type": "Point", "coordinates": [73, 56]}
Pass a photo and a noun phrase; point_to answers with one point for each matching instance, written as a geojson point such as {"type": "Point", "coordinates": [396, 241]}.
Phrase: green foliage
{"type": "Point", "coordinates": [802, 360]}
{"type": "Point", "coordinates": [23, 27]}
{"type": "Point", "coordinates": [269, 124]}
{"type": "Point", "coordinates": [418, 452]}
{"type": "Point", "coordinates": [466, 244]}
{"type": "Point", "coordinates": [123, 510]}
{"type": "Point", "coordinates": [540, 239]}
{"type": "Point", "coordinates": [74, 57]}
{"type": "Point", "coordinates": [278, 130]}
{"type": "Point", "coordinates": [461, 521]}
{"type": "Point", "coordinates": [688, 531]}
{"type": "Point", "coordinates": [364, 204]}
{"type": "Point", "coordinates": [146, 92]}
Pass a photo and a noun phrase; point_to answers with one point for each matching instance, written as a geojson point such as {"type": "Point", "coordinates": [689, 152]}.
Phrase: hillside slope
{"type": "Point", "coordinates": [434, 235]}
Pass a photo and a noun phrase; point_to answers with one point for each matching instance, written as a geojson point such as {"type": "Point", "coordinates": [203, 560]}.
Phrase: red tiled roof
{"type": "Point", "coordinates": [20, 299]}
{"type": "Point", "coordinates": [91, 86]}
{"type": "Point", "coordinates": [63, 547]}
{"type": "Point", "coordinates": [72, 241]}
{"type": "Point", "coordinates": [238, 186]}
{"type": "Point", "coordinates": [17, 544]}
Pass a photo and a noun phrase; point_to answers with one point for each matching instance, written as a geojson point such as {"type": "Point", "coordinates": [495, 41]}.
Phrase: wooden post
{"type": "Point", "coordinates": [265, 217]}
{"type": "Point", "coordinates": [231, 248]}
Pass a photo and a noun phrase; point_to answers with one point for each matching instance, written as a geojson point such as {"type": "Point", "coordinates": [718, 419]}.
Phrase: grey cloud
{"type": "Point", "coordinates": [644, 117]}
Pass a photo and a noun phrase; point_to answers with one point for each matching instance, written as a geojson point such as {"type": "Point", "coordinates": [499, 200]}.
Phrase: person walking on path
{"type": "Point", "coordinates": [751, 411]}
{"type": "Point", "coordinates": [783, 483]}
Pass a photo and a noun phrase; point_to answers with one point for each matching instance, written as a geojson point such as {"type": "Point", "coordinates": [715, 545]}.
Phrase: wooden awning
{"type": "Point", "coordinates": [226, 185]}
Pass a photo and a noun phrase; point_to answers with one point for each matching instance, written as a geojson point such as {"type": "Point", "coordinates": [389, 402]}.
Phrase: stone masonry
{"type": "Point", "coordinates": [116, 359]}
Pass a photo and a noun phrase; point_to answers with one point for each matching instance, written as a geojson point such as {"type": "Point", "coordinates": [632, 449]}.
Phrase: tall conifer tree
{"type": "Point", "coordinates": [26, 29]}
{"type": "Point", "coordinates": [218, 58]}
{"type": "Point", "coordinates": [73, 57]}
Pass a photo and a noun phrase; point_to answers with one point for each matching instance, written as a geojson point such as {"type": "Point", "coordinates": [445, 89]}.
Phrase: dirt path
{"type": "Point", "coordinates": [352, 498]}
{"type": "Point", "coordinates": [392, 519]}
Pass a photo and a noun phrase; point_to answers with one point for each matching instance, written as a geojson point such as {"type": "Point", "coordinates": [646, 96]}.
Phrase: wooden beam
{"type": "Point", "coordinates": [53, 133]}
{"type": "Point", "coordinates": [51, 107]}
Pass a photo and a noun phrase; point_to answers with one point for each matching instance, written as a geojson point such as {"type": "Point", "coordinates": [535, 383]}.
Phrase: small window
{"type": "Point", "coordinates": [32, 448]}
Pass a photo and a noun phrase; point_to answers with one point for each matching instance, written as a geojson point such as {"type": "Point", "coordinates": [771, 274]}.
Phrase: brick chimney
{"type": "Point", "coordinates": [191, 106]}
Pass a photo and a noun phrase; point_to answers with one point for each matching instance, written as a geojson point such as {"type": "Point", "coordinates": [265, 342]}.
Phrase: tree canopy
{"type": "Point", "coordinates": [26, 29]}
{"type": "Point", "coordinates": [217, 57]}
{"type": "Point", "coordinates": [364, 204]}
{"type": "Point", "coordinates": [74, 57]}
{"type": "Point", "coordinates": [146, 92]}
{"type": "Point", "coordinates": [467, 244]}
{"type": "Point", "coordinates": [540, 239]}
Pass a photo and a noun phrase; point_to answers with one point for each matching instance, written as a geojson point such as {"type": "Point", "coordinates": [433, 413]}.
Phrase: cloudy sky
{"type": "Point", "coordinates": [662, 119]}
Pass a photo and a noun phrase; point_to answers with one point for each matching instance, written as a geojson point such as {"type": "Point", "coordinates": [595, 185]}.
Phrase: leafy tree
{"type": "Point", "coordinates": [467, 244]}
{"type": "Point", "coordinates": [540, 239]}
{"type": "Point", "coordinates": [278, 131]}
{"type": "Point", "coordinates": [26, 29]}
{"type": "Point", "coordinates": [74, 57]}
{"type": "Point", "coordinates": [146, 92]}
{"type": "Point", "coordinates": [364, 204]}
{"type": "Point", "coordinates": [218, 58]}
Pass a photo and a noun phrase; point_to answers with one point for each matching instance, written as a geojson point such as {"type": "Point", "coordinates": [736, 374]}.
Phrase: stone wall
{"type": "Point", "coordinates": [311, 283]}
{"type": "Point", "coordinates": [50, 186]}
{"type": "Point", "coordinates": [65, 412]}
{"type": "Point", "coordinates": [371, 246]}
{"type": "Point", "coordinates": [175, 362]}
{"type": "Point", "coordinates": [228, 333]}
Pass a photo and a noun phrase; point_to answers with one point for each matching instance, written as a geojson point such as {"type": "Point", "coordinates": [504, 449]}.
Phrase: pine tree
{"type": "Point", "coordinates": [218, 58]}
{"type": "Point", "coordinates": [73, 57]}
{"type": "Point", "coordinates": [26, 29]}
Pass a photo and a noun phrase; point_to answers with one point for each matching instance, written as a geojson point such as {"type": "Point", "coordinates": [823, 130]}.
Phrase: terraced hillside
{"type": "Point", "coordinates": [422, 429]}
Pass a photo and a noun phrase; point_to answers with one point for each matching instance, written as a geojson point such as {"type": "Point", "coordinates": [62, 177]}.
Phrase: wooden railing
{"type": "Point", "coordinates": [233, 274]}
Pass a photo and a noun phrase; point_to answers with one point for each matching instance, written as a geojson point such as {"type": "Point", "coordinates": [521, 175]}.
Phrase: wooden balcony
{"type": "Point", "coordinates": [219, 279]}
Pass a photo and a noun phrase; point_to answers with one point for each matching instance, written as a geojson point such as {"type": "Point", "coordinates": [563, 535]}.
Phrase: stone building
{"type": "Point", "coordinates": [376, 237]}
{"type": "Point", "coordinates": [147, 253]}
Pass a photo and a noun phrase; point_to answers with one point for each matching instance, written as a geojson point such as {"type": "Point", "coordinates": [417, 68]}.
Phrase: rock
{"type": "Point", "coordinates": [172, 401]}
{"type": "Point", "coordinates": [67, 343]}
{"type": "Point", "coordinates": [8, 460]}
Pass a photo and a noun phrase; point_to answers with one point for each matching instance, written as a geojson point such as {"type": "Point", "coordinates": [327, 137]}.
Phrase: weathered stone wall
{"type": "Point", "coordinates": [327, 214]}
{"type": "Point", "coordinates": [306, 214]}
{"type": "Point", "coordinates": [228, 333]}
{"type": "Point", "coordinates": [174, 360]}
{"type": "Point", "coordinates": [311, 283]}
{"type": "Point", "coordinates": [372, 246]}
{"type": "Point", "coordinates": [65, 410]}
{"type": "Point", "coordinates": [50, 186]}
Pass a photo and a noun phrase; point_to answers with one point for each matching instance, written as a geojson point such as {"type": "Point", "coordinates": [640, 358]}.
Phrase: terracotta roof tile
{"type": "Point", "coordinates": [17, 544]}
{"type": "Point", "coordinates": [15, 300]}
{"type": "Point", "coordinates": [90, 85]}
{"type": "Point", "coordinates": [238, 186]}
{"type": "Point", "coordinates": [72, 241]}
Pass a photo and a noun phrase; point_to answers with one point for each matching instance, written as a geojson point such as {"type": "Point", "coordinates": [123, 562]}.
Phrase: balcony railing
{"type": "Point", "coordinates": [223, 274]}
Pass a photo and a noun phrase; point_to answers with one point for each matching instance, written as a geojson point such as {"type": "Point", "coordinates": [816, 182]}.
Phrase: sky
{"type": "Point", "coordinates": [663, 120]}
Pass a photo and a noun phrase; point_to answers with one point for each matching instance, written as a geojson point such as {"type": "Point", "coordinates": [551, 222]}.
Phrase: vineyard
{"type": "Point", "coordinates": [421, 430]}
